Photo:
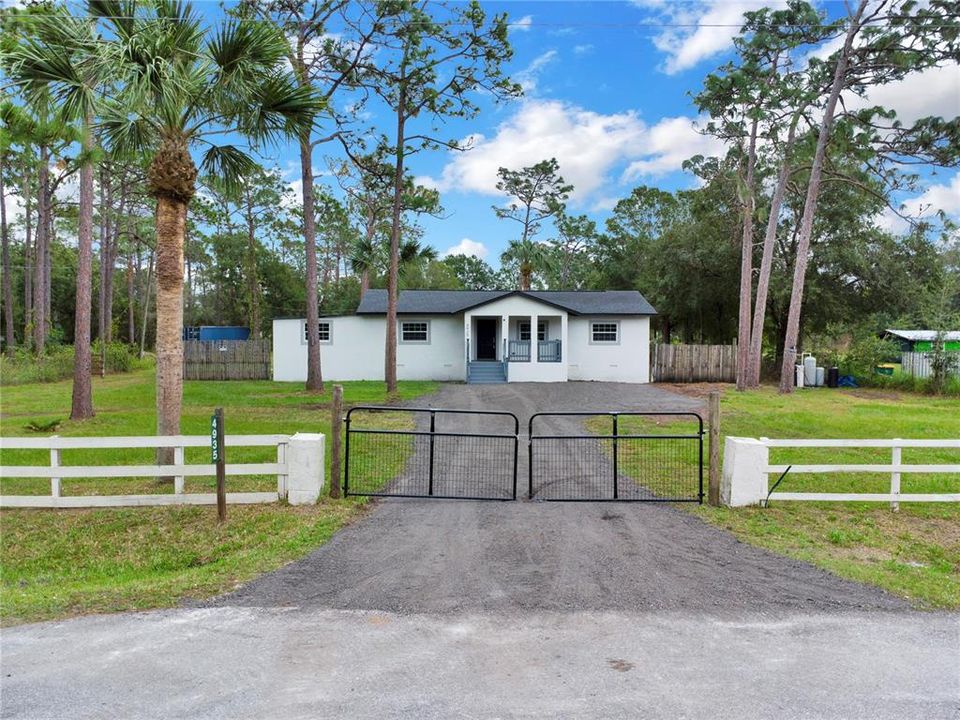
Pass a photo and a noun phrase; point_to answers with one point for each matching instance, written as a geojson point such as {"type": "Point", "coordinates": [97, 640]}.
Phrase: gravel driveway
{"type": "Point", "coordinates": [449, 556]}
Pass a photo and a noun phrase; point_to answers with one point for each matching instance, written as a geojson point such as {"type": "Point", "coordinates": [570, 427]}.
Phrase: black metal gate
{"type": "Point", "coordinates": [615, 456]}
{"type": "Point", "coordinates": [402, 452]}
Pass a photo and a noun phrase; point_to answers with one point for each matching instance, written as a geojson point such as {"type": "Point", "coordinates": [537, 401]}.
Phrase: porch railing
{"type": "Point", "coordinates": [548, 351]}
{"type": "Point", "coordinates": [519, 351]}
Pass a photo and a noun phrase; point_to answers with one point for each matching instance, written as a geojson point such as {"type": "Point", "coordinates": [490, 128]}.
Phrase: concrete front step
{"type": "Point", "coordinates": [485, 372]}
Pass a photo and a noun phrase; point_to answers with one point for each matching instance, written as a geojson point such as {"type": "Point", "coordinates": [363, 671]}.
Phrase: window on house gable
{"type": "Point", "coordinates": [604, 332]}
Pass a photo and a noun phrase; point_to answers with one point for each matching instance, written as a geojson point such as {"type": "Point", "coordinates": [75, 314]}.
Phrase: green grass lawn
{"type": "Point", "coordinates": [64, 562]}
{"type": "Point", "coordinates": [915, 552]}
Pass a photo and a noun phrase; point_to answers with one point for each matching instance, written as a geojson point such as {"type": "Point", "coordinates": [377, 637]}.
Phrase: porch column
{"type": "Point", "coordinates": [534, 339]}
{"type": "Point", "coordinates": [504, 337]}
{"type": "Point", "coordinates": [564, 336]}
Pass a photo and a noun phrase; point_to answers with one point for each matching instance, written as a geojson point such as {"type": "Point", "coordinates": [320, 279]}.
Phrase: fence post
{"type": "Point", "coordinates": [897, 459]}
{"type": "Point", "coordinates": [713, 418]}
{"type": "Point", "coordinates": [336, 423]}
{"type": "Point", "coordinates": [178, 479]}
{"type": "Point", "coordinates": [616, 469]}
{"type": "Point", "coordinates": [433, 427]}
{"type": "Point", "coordinates": [282, 475]}
{"type": "Point", "coordinates": [221, 469]}
{"type": "Point", "coordinates": [54, 462]}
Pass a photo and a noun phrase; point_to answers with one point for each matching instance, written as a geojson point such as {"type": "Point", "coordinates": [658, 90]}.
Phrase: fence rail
{"type": "Point", "coordinates": [179, 470]}
{"type": "Point", "coordinates": [747, 470]}
{"type": "Point", "coordinates": [226, 359]}
{"type": "Point", "coordinates": [694, 363]}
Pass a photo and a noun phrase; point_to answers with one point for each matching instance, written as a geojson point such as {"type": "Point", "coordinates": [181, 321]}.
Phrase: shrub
{"type": "Point", "coordinates": [57, 363]}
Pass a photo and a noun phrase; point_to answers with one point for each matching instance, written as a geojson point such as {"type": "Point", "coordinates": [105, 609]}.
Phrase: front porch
{"type": "Point", "coordinates": [521, 344]}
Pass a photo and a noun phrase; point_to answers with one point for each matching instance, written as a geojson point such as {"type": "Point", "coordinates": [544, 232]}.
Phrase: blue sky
{"type": "Point", "coordinates": [608, 93]}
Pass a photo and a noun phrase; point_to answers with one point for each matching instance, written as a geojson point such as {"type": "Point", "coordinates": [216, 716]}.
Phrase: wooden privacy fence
{"type": "Point", "coordinates": [694, 363]}
{"type": "Point", "coordinates": [226, 360]}
{"type": "Point", "coordinates": [920, 364]}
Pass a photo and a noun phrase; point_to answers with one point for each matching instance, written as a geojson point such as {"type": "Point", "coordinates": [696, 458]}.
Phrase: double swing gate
{"type": "Point", "coordinates": [470, 454]}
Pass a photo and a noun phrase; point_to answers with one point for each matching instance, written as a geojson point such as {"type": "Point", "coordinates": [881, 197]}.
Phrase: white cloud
{"type": "Point", "coordinates": [668, 144]}
{"type": "Point", "coordinates": [931, 92]}
{"type": "Point", "coordinates": [941, 196]}
{"type": "Point", "coordinates": [522, 24]}
{"type": "Point", "coordinates": [698, 30]}
{"type": "Point", "coordinates": [585, 49]}
{"type": "Point", "coordinates": [468, 247]}
{"type": "Point", "coordinates": [588, 145]}
{"type": "Point", "coordinates": [529, 76]}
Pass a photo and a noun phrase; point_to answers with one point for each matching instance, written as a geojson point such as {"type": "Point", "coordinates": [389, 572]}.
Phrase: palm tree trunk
{"type": "Point", "coordinates": [810, 207]}
{"type": "Point", "coordinates": [9, 338]}
{"type": "Point", "coordinates": [766, 262]}
{"type": "Point", "coordinates": [526, 275]}
{"type": "Point", "coordinates": [746, 265]}
{"type": "Point", "coordinates": [171, 230]}
{"type": "Point", "coordinates": [82, 405]}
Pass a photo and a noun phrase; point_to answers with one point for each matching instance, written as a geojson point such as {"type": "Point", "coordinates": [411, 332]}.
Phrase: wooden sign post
{"type": "Point", "coordinates": [336, 428]}
{"type": "Point", "coordinates": [217, 457]}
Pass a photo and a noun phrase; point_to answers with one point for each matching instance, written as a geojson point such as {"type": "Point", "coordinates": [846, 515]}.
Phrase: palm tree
{"type": "Point", "coordinates": [60, 67]}
{"type": "Point", "coordinates": [177, 88]}
{"type": "Point", "coordinates": [531, 256]}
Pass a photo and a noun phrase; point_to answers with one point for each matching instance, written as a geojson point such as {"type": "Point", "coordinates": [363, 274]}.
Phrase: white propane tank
{"type": "Point", "coordinates": [809, 371]}
{"type": "Point", "coordinates": [821, 375]}
{"type": "Point", "coordinates": [799, 376]}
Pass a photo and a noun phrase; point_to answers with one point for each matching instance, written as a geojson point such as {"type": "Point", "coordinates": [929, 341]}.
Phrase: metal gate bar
{"type": "Point", "coordinates": [387, 462]}
{"type": "Point", "coordinates": [591, 467]}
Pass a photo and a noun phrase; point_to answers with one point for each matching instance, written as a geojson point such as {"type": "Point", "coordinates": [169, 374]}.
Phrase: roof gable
{"type": "Point", "coordinates": [451, 302]}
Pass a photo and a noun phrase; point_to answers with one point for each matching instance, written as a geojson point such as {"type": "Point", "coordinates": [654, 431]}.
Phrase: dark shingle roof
{"type": "Point", "coordinates": [443, 302]}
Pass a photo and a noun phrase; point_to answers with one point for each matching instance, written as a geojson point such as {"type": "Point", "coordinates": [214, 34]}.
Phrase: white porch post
{"type": "Point", "coordinates": [534, 339]}
{"type": "Point", "coordinates": [563, 346]}
{"type": "Point", "coordinates": [504, 337]}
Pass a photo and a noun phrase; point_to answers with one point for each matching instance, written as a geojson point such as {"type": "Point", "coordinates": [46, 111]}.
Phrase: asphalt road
{"type": "Point", "coordinates": [434, 609]}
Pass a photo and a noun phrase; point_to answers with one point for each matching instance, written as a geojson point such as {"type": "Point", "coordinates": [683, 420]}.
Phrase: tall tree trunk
{"type": "Point", "coordinates": [253, 282]}
{"type": "Point", "coordinates": [766, 262]}
{"type": "Point", "coordinates": [9, 338]}
{"type": "Point", "coordinates": [27, 257]}
{"type": "Point", "coordinates": [114, 245]}
{"type": "Point", "coordinates": [393, 273]}
{"type": "Point", "coordinates": [48, 269]}
{"type": "Point", "coordinates": [39, 319]}
{"type": "Point", "coordinates": [82, 406]}
{"type": "Point", "coordinates": [314, 374]}
{"type": "Point", "coordinates": [526, 275]}
{"type": "Point", "coordinates": [746, 264]}
{"type": "Point", "coordinates": [171, 230]}
{"type": "Point", "coordinates": [810, 206]}
{"type": "Point", "coordinates": [105, 203]}
{"type": "Point", "coordinates": [148, 286]}
{"type": "Point", "coordinates": [131, 302]}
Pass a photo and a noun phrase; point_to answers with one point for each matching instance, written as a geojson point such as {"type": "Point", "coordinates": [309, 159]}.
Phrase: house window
{"type": "Point", "coordinates": [415, 332]}
{"type": "Point", "coordinates": [323, 329]}
{"type": "Point", "coordinates": [525, 330]}
{"type": "Point", "coordinates": [604, 332]}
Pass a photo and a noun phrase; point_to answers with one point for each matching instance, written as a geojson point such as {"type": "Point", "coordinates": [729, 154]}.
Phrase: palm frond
{"type": "Point", "coordinates": [278, 107]}
{"type": "Point", "coordinates": [126, 135]}
{"type": "Point", "coordinates": [228, 165]}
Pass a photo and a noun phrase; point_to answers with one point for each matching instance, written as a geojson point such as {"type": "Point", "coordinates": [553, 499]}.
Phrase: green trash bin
{"type": "Point", "coordinates": [885, 369]}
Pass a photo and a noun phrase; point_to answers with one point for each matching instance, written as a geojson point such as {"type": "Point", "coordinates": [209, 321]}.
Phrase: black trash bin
{"type": "Point", "coordinates": [833, 377]}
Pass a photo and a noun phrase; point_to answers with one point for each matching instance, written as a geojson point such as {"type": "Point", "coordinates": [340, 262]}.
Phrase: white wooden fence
{"type": "Point", "coordinates": [747, 470]}
{"type": "Point", "coordinates": [298, 468]}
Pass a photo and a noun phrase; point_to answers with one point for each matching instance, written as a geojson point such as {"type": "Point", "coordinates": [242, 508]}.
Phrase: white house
{"type": "Point", "coordinates": [480, 336]}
